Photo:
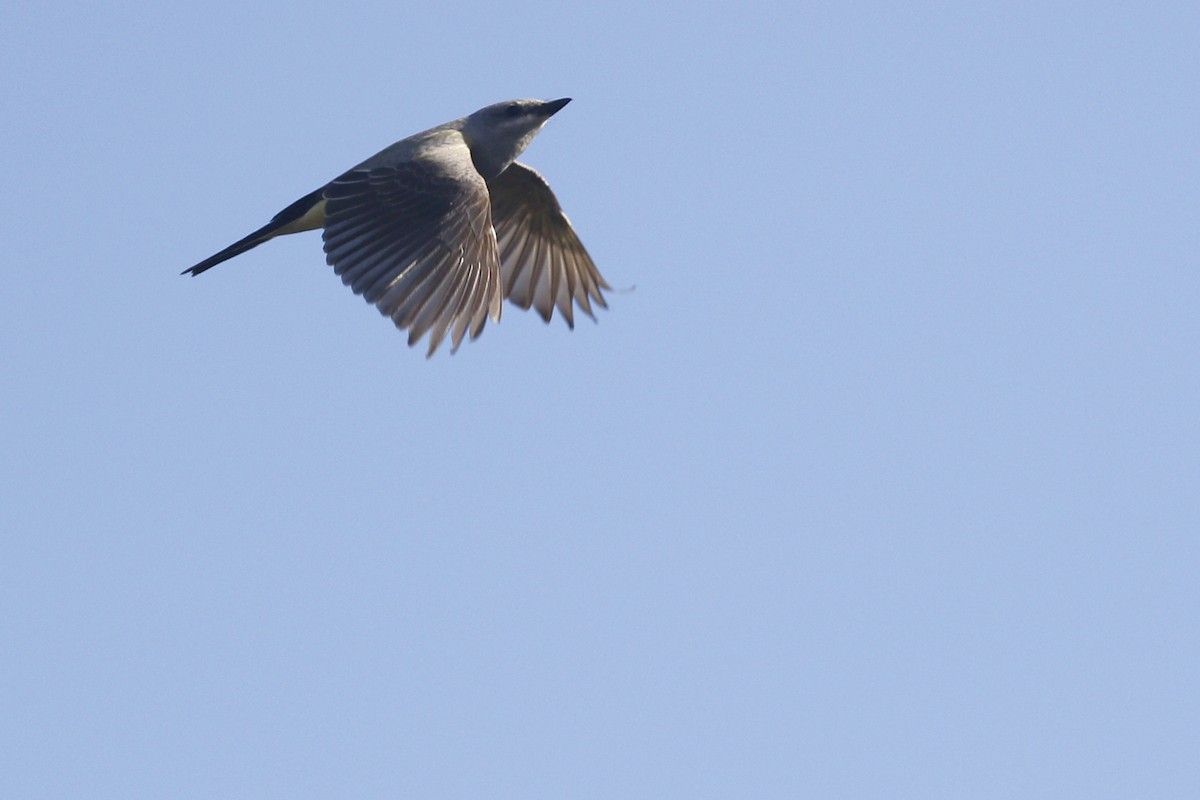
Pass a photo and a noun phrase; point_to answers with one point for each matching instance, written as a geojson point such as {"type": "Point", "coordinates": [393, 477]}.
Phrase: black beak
{"type": "Point", "coordinates": [551, 107]}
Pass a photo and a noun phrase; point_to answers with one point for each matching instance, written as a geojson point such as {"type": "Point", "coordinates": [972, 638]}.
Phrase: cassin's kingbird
{"type": "Point", "coordinates": [438, 228]}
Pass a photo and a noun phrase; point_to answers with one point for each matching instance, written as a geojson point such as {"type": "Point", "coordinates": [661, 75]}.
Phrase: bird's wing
{"type": "Point", "coordinates": [542, 261]}
{"type": "Point", "coordinates": [415, 238]}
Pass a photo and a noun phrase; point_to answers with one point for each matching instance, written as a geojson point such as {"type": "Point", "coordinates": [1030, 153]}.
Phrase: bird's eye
{"type": "Point", "coordinates": [512, 110]}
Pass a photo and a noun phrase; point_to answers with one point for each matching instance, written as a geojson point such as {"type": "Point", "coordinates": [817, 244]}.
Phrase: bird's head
{"type": "Point", "coordinates": [498, 133]}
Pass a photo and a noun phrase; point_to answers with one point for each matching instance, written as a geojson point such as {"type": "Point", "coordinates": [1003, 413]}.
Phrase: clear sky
{"type": "Point", "coordinates": [880, 478]}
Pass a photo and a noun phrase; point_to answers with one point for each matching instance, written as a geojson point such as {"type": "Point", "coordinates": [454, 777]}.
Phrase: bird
{"type": "Point", "coordinates": [438, 228]}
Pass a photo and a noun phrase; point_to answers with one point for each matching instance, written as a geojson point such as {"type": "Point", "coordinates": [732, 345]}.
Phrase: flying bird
{"type": "Point", "coordinates": [437, 229]}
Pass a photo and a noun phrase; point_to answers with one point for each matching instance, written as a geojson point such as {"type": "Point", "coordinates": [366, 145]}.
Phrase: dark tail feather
{"type": "Point", "coordinates": [289, 215]}
{"type": "Point", "coordinates": [237, 248]}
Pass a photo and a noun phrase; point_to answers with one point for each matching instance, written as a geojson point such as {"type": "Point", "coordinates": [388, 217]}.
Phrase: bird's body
{"type": "Point", "coordinates": [437, 229]}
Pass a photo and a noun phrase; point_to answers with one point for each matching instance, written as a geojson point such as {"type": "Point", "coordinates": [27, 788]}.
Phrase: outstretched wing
{"type": "Point", "coordinates": [542, 261]}
{"type": "Point", "coordinates": [415, 238]}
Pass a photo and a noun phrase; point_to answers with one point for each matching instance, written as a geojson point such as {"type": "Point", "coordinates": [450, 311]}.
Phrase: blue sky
{"type": "Point", "coordinates": [877, 479]}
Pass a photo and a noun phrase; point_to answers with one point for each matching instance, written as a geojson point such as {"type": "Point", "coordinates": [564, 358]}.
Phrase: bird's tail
{"type": "Point", "coordinates": [305, 214]}
{"type": "Point", "coordinates": [237, 248]}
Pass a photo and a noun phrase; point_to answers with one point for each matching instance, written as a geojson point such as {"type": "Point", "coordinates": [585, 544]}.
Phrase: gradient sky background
{"type": "Point", "coordinates": [882, 482]}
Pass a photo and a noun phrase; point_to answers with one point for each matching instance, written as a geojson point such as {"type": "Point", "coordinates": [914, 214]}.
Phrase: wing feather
{"type": "Point", "coordinates": [415, 238]}
{"type": "Point", "coordinates": [543, 264]}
